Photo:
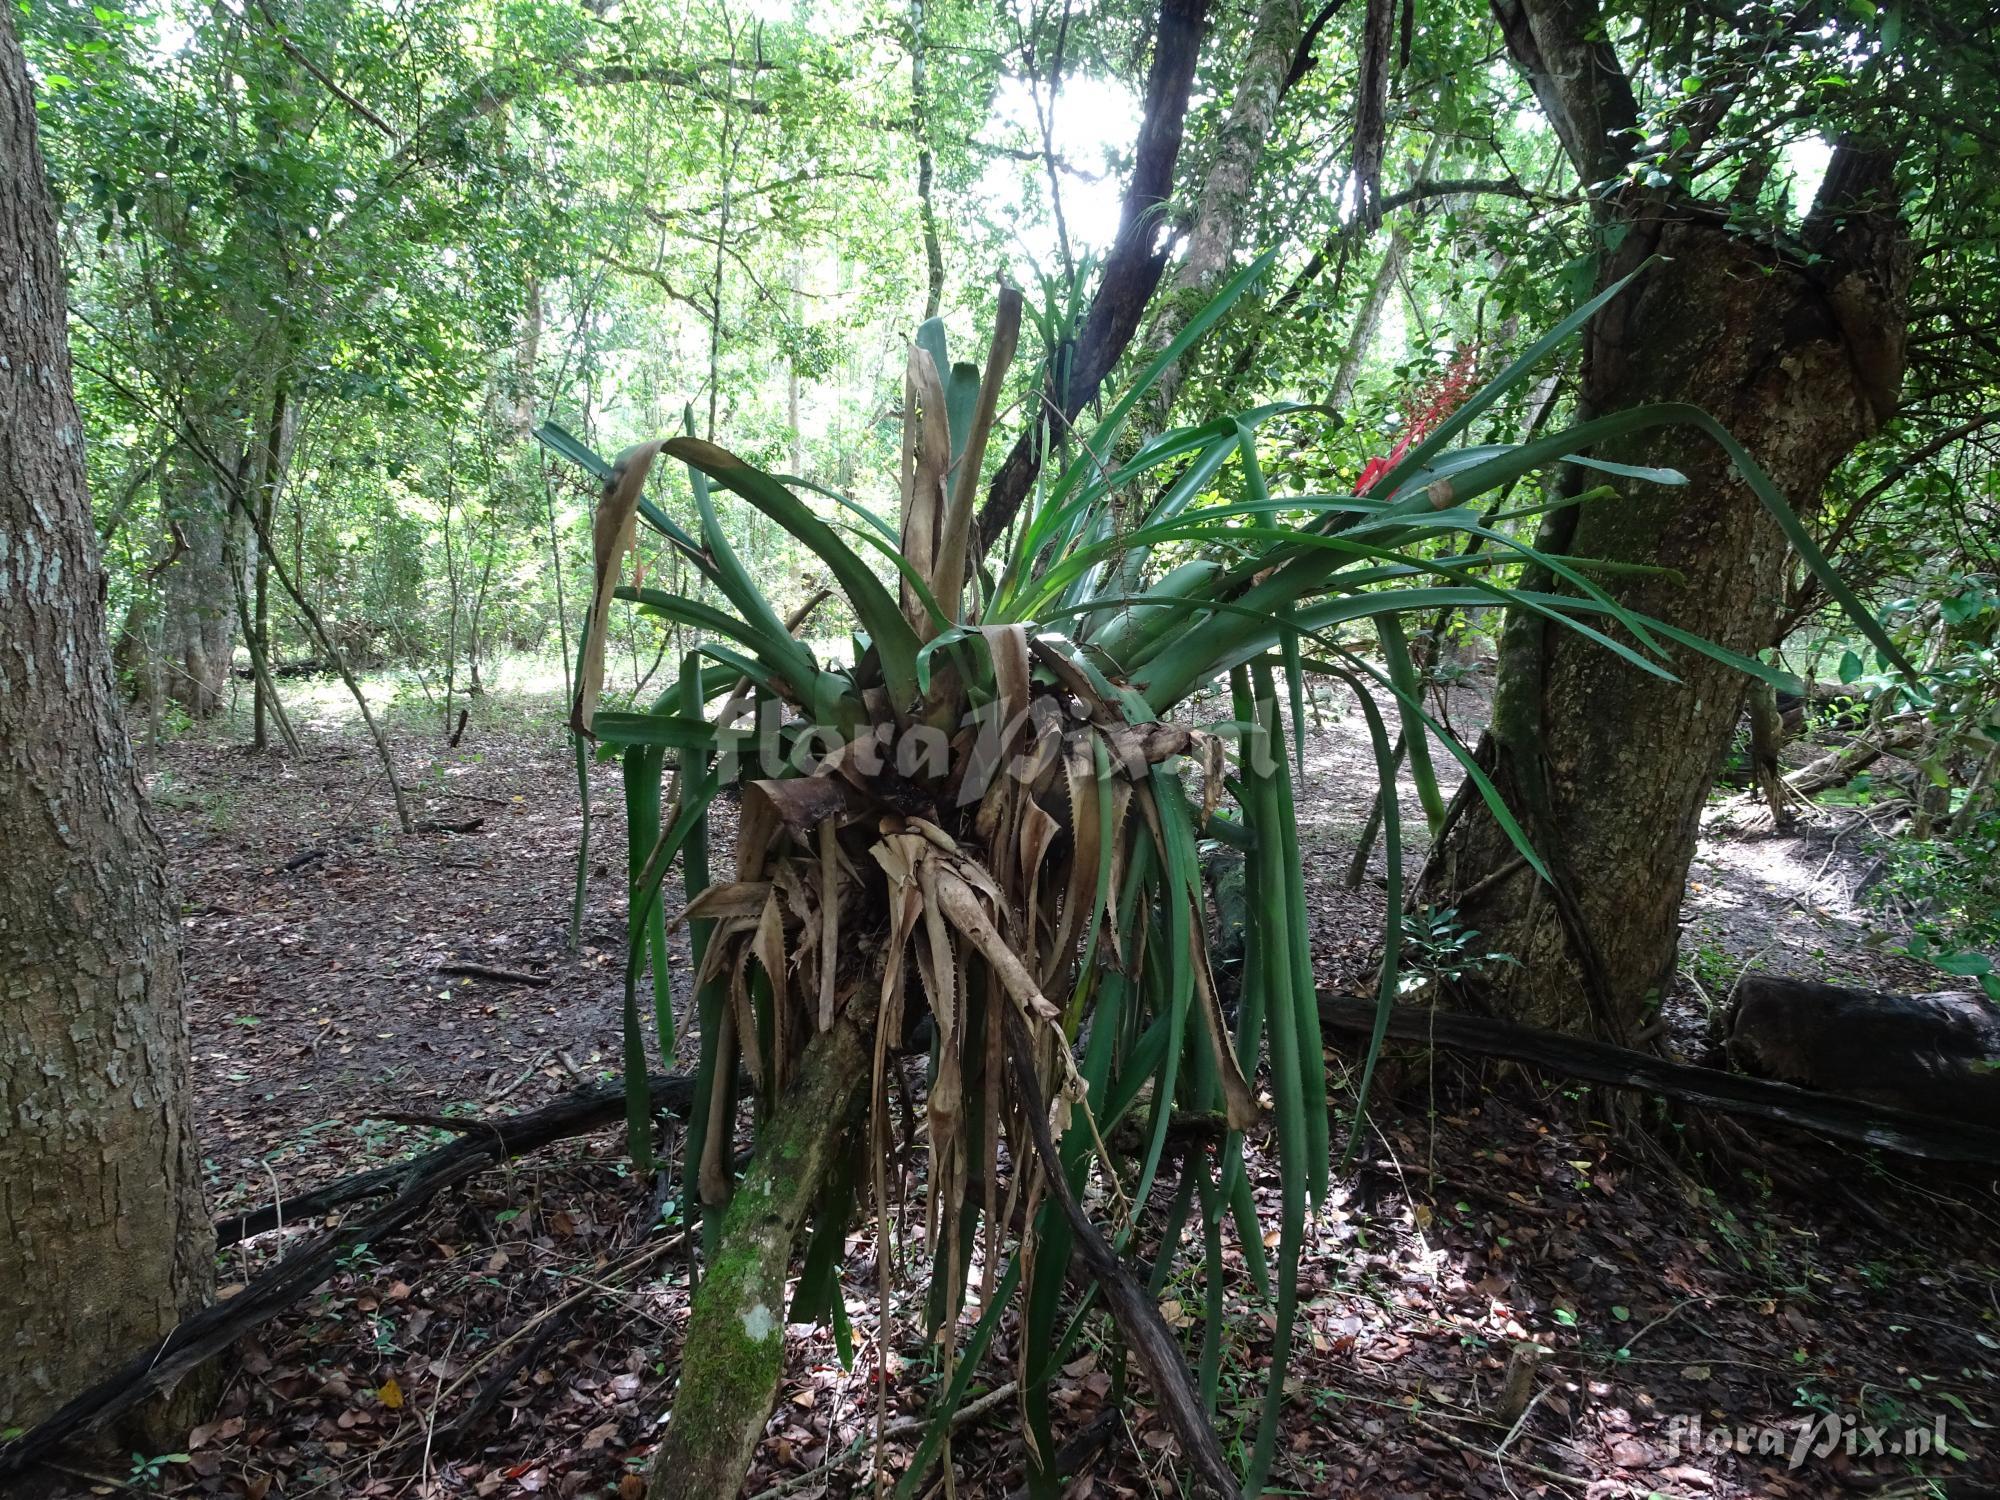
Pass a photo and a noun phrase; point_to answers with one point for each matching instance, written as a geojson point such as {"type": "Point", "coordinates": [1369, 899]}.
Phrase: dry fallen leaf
{"type": "Point", "coordinates": [390, 1394]}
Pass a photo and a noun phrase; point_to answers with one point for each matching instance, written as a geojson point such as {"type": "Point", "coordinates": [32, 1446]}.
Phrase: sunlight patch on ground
{"type": "Point", "coordinates": [1790, 868]}
{"type": "Point", "coordinates": [323, 705]}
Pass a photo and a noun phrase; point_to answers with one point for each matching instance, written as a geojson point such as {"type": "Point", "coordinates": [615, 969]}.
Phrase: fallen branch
{"type": "Point", "coordinates": [472, 797]}
{"type": "Point", "coordinates": [1732, 1093]}
{"type": "Point", "coordinates": [202, 1336]}
{"type": "Point", "coordinates": [1080, 1449]}
{"type": "Point", "coordinates": [469, 970]}
{"type": "Point", "coordinates": [1842, 766]}
{"type": "Point", "coordinates": [576, 1113]}
{"type": "Point", "coordinates": [972, 1411]}
{"type": "Point", "coordinates": [456, 1124]}
{"type": "Point", "coordinates": [459, 1434]}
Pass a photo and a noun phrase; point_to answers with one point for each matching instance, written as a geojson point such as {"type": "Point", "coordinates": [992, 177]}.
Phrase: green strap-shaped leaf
{"type": "Point", "coordinates": [873, 605]}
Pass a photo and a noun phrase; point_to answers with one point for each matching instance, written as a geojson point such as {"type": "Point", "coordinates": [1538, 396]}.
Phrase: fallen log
{"type": "Point", "coordinates": [202, 1335]}
{"type": "Point", "coordinates": [1899, 1130]}
{"type": "Point", "coordinates": [1936, 1053]}
{"type": "Point", "coordinates": [576, 1113]}
{"type": "Point", "coordinates": [432, 825]}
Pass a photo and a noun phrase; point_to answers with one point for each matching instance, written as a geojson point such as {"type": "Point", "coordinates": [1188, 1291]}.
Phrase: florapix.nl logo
{"type": "Point", "coordinates": [1818, 1435]}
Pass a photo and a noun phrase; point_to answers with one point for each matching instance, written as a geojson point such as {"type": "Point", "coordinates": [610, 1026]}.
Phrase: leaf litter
{"type": "Point", "coordinates": [1501, 1300]}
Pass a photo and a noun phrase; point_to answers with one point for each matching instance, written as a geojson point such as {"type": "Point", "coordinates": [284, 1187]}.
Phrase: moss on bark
{"type": "Point", "coordinates": [736, 1334]}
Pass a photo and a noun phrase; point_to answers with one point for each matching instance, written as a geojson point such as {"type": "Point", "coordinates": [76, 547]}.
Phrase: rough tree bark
{"type": "Point", "coordinates": [104, 1242]}
{"type": "Point", "coordinates": [198, 621]}
{"type": "Point", "coordinates": [179, 636]}
{"type": "Point", "coordinates": [1609, 768]}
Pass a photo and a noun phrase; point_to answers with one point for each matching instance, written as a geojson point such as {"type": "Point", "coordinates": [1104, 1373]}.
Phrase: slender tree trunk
{"type": "Point", "coordinates": [474, 688]}
{"type": "Point", "coordinates": [316, 628]}
{"type": "Point", "coordinates": [926, 167]}
{"type": "Point", "coordinates": [260, 633]}
{"type": "Point", "coordinates": [792, 374]}
{"type": "Point", "coordinates": [527, 361]}
{"type": "Point", "coordinates": [270, 467]}
{"type": "Point", "coordinates": [454, 594]}
{"type": "Point", "coordinates": [1368, 320]}
{"type": "Point", "coordinates": [1607, 767]}
{"type": "Point", "coordinates": [240, 571]}
{"type": "Point", "coordinates": [736, 1332]}
{"type": "Point", "coordinates": [1227, 193]}
{"type": "Point", "coordinates": [104, 1239]}
{"type": "Point", "coordinates": [1132, 268]}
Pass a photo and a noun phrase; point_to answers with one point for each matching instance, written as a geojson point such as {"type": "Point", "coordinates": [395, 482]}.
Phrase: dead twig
{"type": "Point", "coordinates": [431, 825]}
{"type": "Point", "coordinates": [469, 970]}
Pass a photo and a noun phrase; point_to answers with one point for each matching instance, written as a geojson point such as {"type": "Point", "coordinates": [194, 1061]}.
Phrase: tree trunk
{"type": "Point", "coordinates": [104, 1240]}
{"type": "Point", "coordinates": [1132, 268]}
{"type": "Point", "coordinates": [926, 176]}
{"type": "Point", "coordinates": [270, 470]}
{"type": "Point", "coordinates": [1367, 319]}
{"type": "Point", "coordinates": [1228, 194]}
{"type": "Point", "coordinates": [197, 609]}
{"type": "Point", "coordinates": [735, 1346]}
{"type": "Point", "coordinates": [1608, 767]}
{"type": "Point", "coordinates": [178, 638]}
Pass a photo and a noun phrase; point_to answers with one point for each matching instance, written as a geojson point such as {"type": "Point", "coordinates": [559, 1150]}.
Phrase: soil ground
{"type": "Point", "coordinates": [1504, 1298]}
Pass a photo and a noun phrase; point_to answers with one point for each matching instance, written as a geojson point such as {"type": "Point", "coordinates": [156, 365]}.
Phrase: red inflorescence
{"type": "Point", "coordinates": [1423, 409]}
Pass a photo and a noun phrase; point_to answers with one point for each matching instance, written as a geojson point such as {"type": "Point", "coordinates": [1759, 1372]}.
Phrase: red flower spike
{"type": "Point", "coordinates": [1423, 410]}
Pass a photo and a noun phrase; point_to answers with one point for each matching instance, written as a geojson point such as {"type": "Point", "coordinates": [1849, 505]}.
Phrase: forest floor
{"type": "Point", "coordinates": [1505, 1298]}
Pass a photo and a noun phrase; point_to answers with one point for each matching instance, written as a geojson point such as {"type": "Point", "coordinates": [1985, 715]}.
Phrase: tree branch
{"type": "Point", "coordinates": [200, 1337]}
{"type": "Point", "coordinates": [1303, 60]}
{"type": "Point", "coordinates": [1708, 1088]}
{"type": "Point", "coordinates": [1563, 48]}
{"type": "Point", "coordinates": [1133, 268]}
{"type": "Point", "coordinates": [1809, 589]}
{"type": "Point", "coordinates": [1467, 187]}
{"type": "Point", "coordinates": [659, 279]}
{"type": "Point", "coordinates": [325, 80]}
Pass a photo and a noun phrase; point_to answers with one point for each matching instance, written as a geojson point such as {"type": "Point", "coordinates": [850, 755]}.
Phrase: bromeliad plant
{"type": "Point", "coordinates": [978, 840]}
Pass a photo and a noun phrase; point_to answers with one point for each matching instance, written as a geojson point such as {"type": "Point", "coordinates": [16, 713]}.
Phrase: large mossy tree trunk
{"type": "Point", "coordinates": [104, 1240]}
{"type": "Point", "coordinates": [178, 639]}
{"type": "Point", "coordinates": [1608, 767]}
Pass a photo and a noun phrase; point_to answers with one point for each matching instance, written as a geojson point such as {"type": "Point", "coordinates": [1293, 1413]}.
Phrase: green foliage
{"type": "Point", "coordinates": [972, 886]}
{"type": "Point", "coordinates": [1437, 946]}
{"type": "Point", "coordinates": [149, 1473]}
{"type": "Point", "coordinates": [1951, 888]}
